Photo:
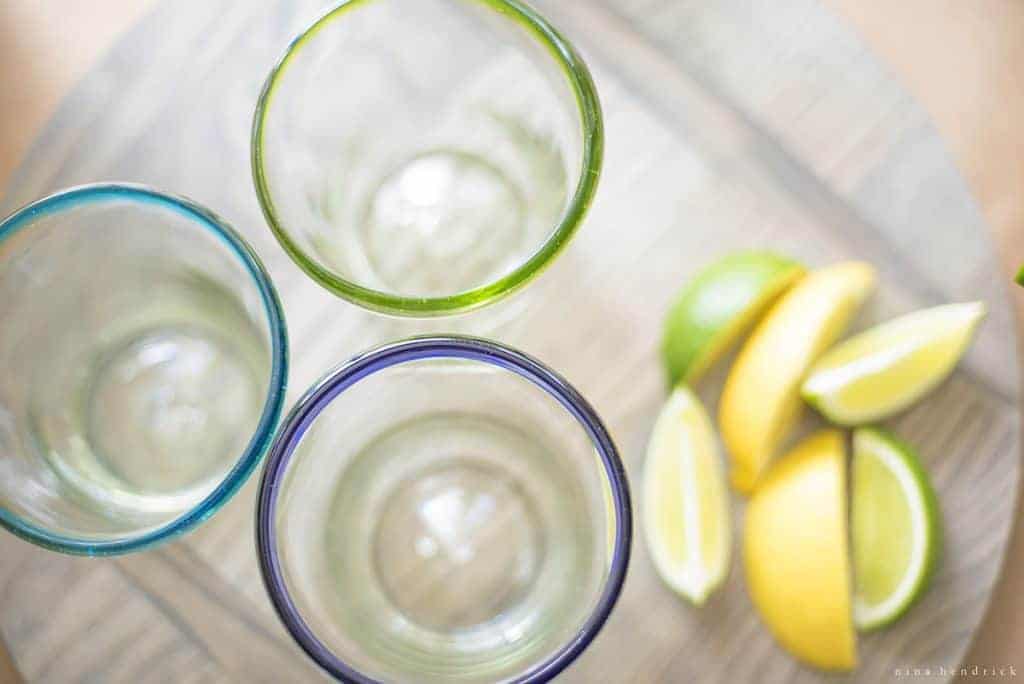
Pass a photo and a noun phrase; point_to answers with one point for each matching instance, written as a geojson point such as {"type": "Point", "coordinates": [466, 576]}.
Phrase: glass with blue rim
{"type": "Point", "coordinates": [145, 363]}
{"type": "Point", "coordinates": [443, 509]}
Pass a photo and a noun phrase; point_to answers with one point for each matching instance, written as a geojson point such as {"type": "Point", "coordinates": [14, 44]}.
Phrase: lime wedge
{"type": "Point", "coordinates": [686, 504]}
{"type": "Point", "coordinates": [718, 306]}
{"type": "Point", "coordinates": [896, 532]}
{"type": "Point", "coordinates": [761, 398]}
{"type": "Point", "coordinates": [886, 369]}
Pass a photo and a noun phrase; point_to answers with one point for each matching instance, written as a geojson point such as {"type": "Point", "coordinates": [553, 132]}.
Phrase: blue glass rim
{"type": "Point", "coordinates": [77, 196]}
{"type": "Point", "coordinates": [317, 398]}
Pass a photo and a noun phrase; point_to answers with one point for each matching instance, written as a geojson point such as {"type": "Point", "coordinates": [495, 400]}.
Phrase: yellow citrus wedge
{"type": "Point", "coordinates": [796, 554]}
{"type": "Point", "coordinates": [885, 369]}
{"type": "Point", "coordinates": [686, 514]}
{"type": "Point", "coordinates": [761, 398]}
{"type": "Point", "coordinates": [718, 306]}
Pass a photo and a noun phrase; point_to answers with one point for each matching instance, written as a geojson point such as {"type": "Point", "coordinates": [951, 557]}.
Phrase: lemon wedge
{"type": "Point", "coordinates": [885, 369]}
{"type": "Point", "coordinates": [686, 503]}
{"type": "Point", "coordinates": [761, 398]}
{"type": "Point", "coordinates": [796, 554]}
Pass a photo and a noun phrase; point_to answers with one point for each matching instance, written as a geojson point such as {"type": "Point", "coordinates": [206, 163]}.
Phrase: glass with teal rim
{"type": "Point", "coordinates": [144, 360]}
{"type": "Point", "coordinates": [427, 157]}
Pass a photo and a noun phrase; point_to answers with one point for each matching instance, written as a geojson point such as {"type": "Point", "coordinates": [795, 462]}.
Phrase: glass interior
{"type": "Point", "coordinates": [445, 520]}
{"type": "Point", "coordinates": [420, 148]}
{"type": "Point", "coordinates": [137, 359]}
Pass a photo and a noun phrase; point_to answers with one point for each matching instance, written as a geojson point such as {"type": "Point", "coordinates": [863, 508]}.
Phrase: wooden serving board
{"type": "Point", "coordinates": [729, 124]}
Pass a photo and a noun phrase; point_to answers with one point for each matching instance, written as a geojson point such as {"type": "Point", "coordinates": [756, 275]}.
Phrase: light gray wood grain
{"type": "Point", "coordinates": [8, 672]}
{"type": "Point", "coordinates": [729, 124]}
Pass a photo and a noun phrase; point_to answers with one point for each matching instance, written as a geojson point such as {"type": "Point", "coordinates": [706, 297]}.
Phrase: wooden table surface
{"type": "Point", "coordinates": [842, 163]}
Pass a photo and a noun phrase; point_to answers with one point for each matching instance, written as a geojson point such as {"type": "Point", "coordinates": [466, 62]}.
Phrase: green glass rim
{"type": "Point", "coordinates": [589, 109]}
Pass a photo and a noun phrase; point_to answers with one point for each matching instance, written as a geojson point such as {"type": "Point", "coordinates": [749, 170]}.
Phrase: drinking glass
{"type": "Point", "coordinates": [443, 509]}
{"type": "Point", "coordinates": [426, 157]}
{"type": "Point", "coordinates": [144, 360]}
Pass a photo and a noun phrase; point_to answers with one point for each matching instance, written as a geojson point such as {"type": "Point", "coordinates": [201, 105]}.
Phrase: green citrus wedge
{"type": "Point", "coordinates": [886, 369]}
{"type": "Point", "coordinates": [718, 306]}
{"type": "Point", "coordinates": [686, 513]}
{"type": "Point", "coordinates": [895, 528]}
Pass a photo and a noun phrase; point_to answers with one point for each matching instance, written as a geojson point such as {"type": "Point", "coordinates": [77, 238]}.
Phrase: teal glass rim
{"type": "Point", "coordinates": [82, 195]}
{"type": "Point", "coordinates": [592, 128]}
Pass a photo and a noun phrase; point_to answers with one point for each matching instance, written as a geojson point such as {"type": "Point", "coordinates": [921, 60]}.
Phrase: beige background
{"type": "Point", "coordinates": [960, 60]}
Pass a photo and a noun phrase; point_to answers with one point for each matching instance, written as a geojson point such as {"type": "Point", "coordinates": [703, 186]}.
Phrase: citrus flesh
{"type": "Point", "coordinates": [895, 528]}
{"type": "Point", "coordinates": [884, 370]}
{"type": "Point", "coordinates": [686, 515]}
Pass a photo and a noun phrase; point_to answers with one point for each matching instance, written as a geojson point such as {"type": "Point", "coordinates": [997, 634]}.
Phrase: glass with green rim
{"type": "Point", "coordinates": [426, 158]}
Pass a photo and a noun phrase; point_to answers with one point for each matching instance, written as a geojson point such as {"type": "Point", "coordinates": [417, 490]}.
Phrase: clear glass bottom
{"type": "Point", "coordinates": [444, 221]}
{"type": "Point", "coordinates": [155, 414]}
{"type": "Point", "coordinates": [450, 215]}
{"type": "Point", "coordinates": [456, 544]}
